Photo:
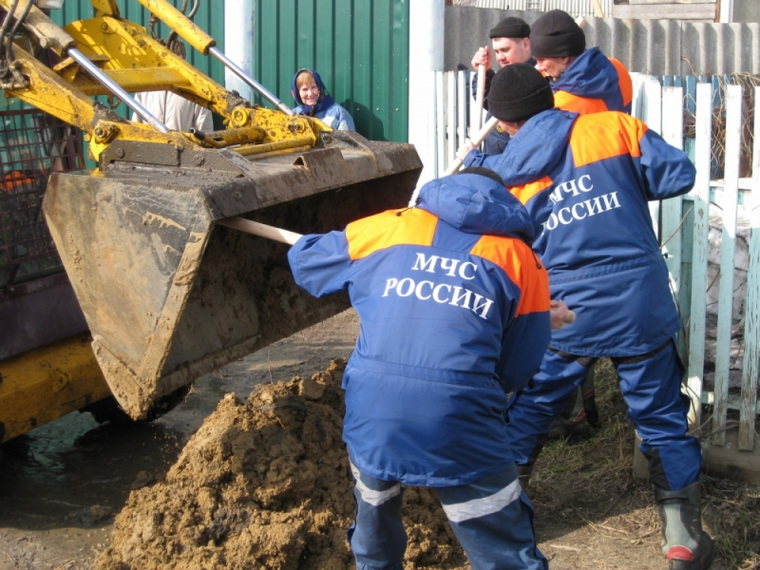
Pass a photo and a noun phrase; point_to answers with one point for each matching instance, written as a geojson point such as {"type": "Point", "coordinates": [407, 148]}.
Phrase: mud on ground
{"type": "Point", "coordinates": [263, 482]}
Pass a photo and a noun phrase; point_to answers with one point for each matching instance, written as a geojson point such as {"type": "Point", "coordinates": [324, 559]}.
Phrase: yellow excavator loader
{"type": "Point", "coordinates": [168, 289]}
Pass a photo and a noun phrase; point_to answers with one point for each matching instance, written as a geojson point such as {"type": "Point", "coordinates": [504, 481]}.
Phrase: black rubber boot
{"type": "Point", "coordinates": [580, 414]}
{"type": "Point", "coordinates": [684, 543]}
{"type": "Point", "coordinates": [523, 474]}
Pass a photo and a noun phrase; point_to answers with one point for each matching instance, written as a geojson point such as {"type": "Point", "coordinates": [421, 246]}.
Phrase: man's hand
{"type": "Point", "coordinates": [465, 149]}
{"type": "Point", "coordinates": [481, 57]}
{"type": "Point", "coordinates": [560, 314]}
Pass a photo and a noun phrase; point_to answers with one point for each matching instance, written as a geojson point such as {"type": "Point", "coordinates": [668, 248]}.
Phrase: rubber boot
{"type": "Point", "coordinates": [684, 543]}
{"type": "Point", "coordinates": [523, 474]}
{"type": "Point", "coordinates": [580, 415]}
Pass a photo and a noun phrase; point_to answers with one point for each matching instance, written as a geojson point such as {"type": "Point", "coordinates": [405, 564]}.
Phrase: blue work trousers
{"type": "Point", "coordinates": [492, 519]}
{"type": "Point", "coordinates": [651, 388]}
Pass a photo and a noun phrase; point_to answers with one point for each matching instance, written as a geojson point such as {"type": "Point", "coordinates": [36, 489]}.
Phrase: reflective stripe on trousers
{"type": "Point", "coordinates": [492, 518]}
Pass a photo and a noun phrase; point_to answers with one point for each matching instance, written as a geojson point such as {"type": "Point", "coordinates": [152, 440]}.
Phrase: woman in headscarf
{"type": "Point", "coordinates": [313, 100]}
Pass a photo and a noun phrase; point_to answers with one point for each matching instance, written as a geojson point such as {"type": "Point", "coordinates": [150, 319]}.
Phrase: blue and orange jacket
{"type": "Point", "coordinates": [586, 181]}
{"type": "Point", "coordinates": [594, 83]}
{"type": "Point", "coordinates": [453, 305]}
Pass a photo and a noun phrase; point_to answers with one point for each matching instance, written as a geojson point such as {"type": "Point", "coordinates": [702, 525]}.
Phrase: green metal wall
{"type": "Point", "coordinates": [359, 47]}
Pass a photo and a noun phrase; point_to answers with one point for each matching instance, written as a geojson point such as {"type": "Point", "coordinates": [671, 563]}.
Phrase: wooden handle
{"type": "Point", "coordinates": [261, 230]}
{"type": "Point", "coordinates": [480, 91]}
{"type": "Point", "coordinates": [476, 141]}
{"type": "Point", "coordinates": [454, 166]}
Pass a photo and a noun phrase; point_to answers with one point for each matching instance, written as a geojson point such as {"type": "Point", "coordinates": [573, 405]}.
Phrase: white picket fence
{"type": "Point", "coordinates": [684, 226]}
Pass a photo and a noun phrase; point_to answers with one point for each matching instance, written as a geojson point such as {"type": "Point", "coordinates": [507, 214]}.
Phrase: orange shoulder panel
{"type": "Point", "coordinates": [525, 192]}
{"type": "Point", "coordinates": [569, 102]}
{"type": "Point", "coordinates": [624, 79]}
{"type": "Point", "coordinates": [605, 135]}
{"type": "Point", "coordinates": [523, 267]}
{"type": "Point", "coordinates": [409, 227]}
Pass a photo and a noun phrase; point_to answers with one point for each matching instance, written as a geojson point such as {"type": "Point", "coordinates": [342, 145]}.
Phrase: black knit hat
{"type": "Point", "coordinates": [518, 92]}
{"type": "Point", "coordinates": [510, 28]}
{"type": "Point", "coordinates": [555, 34]}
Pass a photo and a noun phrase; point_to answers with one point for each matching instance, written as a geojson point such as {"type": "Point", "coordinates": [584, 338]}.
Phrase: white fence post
{"type": "Point", "coordinates": [701, 195]}
{"type": "Point", "coordinates": [751, 367]}
{"type": "Point", "coordinates": [729, 200]}
{"type": "Point", "coordinates": [672, 210]}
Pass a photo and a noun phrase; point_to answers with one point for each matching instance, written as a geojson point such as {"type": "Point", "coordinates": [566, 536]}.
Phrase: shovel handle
{"type": "Point", "coordinates": [476, 141]}
{"type": "Point", "coordinates": [259, 229]}
{"type": "Point", "coordinates": [477, 121]}
{"type": "Point", "coordinates": [454, 166]}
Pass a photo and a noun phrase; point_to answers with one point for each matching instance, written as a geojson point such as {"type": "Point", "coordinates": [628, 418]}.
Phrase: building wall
{"type": "Point", "coordinates": [692, 10]}
{"type": "Point", "coordinates": [657, 47]}
{"type": "Point", "coordinates": [746, 11]}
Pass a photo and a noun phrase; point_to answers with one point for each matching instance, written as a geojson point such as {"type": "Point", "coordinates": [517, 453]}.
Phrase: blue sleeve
{"type": "Point", "coordinates": [523, 347]}
{"type": "Point", "coordinates": [667, 170]}
{"type": "Point", "coordinates": [474, 158]}
{"type": "Point", "coordinates": [320, 263]}
{"type": "Point", "coordinates": [346, 121]}
{"type": "Point", "coordinates": [336, 117]}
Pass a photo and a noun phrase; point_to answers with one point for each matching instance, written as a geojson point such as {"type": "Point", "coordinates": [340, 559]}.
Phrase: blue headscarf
{"type": "Point", "coordinates": [325, 100]}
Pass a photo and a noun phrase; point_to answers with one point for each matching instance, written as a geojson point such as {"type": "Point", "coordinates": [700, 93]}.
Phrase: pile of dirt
{"type": "Point", "coordinates": [265, 484]}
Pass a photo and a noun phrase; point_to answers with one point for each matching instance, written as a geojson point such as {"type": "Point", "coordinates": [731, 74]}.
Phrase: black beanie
{"type": "Point", "coordinates": [518, 92]}
{"type": "Point", "coordinates": [555, 34]}
{"type": "Point", "coordinates": [510, 28]}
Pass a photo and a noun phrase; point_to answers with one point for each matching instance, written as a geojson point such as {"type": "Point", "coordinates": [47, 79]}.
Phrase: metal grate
{"type": "Point", "coordinates": [32, 145]}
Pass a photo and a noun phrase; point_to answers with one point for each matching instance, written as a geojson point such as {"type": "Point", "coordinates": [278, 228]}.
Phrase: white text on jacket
{"type": "Point", "coordinates": [443, 293]}
{"type": "Point", "coordinates": [579, 210]}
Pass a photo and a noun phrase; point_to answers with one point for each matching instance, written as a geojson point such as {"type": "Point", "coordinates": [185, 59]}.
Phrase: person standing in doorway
{"type": "Point", "coordinates": [174, 111]}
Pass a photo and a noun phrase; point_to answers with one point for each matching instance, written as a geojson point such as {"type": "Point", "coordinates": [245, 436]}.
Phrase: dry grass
{"type": "Point", "coordinates": [748, 82]}
{"type": "Point", "coordinates": [592, 480]}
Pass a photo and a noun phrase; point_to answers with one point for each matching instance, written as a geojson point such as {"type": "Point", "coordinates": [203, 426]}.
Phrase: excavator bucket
{"type": "Point", "coordinates": [168, 293]}
{"type": "Point", "coordinates": [168, 290]}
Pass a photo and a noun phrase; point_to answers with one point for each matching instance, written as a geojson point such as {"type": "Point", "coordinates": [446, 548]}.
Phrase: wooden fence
{"type": "Point", "coordinates": [711, 241]}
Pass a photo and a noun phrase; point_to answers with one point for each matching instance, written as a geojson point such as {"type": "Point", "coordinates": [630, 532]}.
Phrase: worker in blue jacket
{"type": "Point", "coordinates": [454, 311]}
{"type": "Point", "coordinates": [586, 181]}
{"type": "Point", "coordinates": [510, 41]}
{"type": "Point", "coordinates": [583, 80]}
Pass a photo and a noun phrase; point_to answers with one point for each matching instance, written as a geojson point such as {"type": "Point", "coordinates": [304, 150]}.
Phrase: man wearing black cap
{"type": "Point", "coordinates": [585, 180]}
{"type": "Point", "coordinates": [510, 40]}
{"type": "Point", "coordinates": [583, 80]}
